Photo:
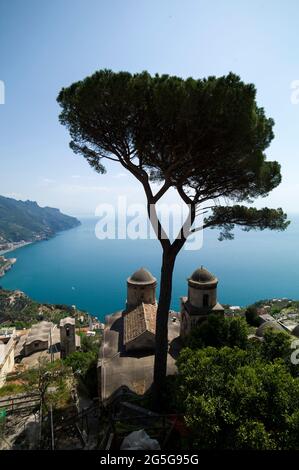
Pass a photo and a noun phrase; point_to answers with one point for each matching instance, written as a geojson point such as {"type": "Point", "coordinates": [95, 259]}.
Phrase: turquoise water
{"type": "Point", "coordinates": [76, 268]}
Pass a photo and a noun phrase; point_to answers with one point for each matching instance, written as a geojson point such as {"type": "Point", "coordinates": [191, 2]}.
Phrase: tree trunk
{"type": "Point", "coordinates": [160, 366]}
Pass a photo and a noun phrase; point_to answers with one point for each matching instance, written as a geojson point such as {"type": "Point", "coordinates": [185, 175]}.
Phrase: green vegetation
{"type": "Point", "coordinates": [12, 389]}
{"type": "Point", "coordinates": [80, 361]}
{"type": "Point", "coordinates": [276, 345]}
{"type": "Point", "coordinates": [56, 381]}
{"type": "Point", "coordinates": [16, 309]}
{"type": "Point", "coordinates": [52, 380]}
{"type": "Point", "coordinates": [28, 221]}
{"type": "Point", "coordinates": [237, 394]}
{"type": "Point", "coordinates": [218, 331]}
{"type": "Point", "coordinates": [84, 364]}
{"type": "Point", "coordinates": [278, 307]}
{"type": "Point", "coordinates": [275, 309]}
{"type": "Point", "coordinates": [90, 343]}
{"type": "Point", "coordinates": [231, 402]}
{"type": "Point", "coordinates": [252, 317]}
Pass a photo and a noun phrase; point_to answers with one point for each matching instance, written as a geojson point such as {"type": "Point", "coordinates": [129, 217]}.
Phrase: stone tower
{"type": "Point", "coordinates": [201, 300]}
{"type": "Point", "coordinates": [141, 288]}
{"type": "Point", "coordinates": [67, 336]}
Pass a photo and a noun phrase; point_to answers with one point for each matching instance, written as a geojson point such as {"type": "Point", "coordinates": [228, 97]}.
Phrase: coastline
{"type": "Point", "coordinates": [12, 246]}
{"type": "Point", "coordinates": [8, 263]}
{"type": "Point", "coordinates": [15, 246]}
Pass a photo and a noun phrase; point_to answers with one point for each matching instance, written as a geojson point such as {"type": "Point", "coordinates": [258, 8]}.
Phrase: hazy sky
{"type": "Point", "coordinates": [45, 45]}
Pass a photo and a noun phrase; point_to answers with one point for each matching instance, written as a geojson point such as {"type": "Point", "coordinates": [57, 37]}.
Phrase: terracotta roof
{"type": "Point", "coordinates": [140, 319]}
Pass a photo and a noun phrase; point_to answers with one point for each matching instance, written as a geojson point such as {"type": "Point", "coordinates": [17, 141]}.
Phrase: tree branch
{"type": "Point", "coordinates": [162, 190]}
{"type": "Point", "coordinates": [183, 234]}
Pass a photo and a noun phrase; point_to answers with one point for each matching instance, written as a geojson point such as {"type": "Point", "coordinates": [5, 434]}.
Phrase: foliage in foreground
{"type": "Point", "coordinates": [11, 389]}
{"type": "Point", "coordinates": [84, 363]}
{"type": "Point", "coordinates": [252, 316]}
{"type": "Point", "coordinates": [219, 331]}
{"type": "Point", "coordinates": [237, 398]}
{"type": "Point", "coordinates": [47, 376]}
{"type": "Point", "coordinates": [232, 403]}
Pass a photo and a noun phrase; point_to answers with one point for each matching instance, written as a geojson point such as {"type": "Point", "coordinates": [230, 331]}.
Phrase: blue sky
{"type": "Point", "coordinates": [45, 45]}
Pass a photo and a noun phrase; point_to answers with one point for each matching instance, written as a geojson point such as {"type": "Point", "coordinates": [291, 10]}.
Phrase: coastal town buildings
{"type": "Point", "coordinates": [45, 337]}
{"type": "Point", "coordinates": [6, 264]}
{"type": "Point", "coordinates": [7, 332]}
{"type": "Point", "coordinates": [126, 359]}
{"type": "Point", "coordinates": [38, 337]}
{"type": "Point", "coordinates": [285, 320]}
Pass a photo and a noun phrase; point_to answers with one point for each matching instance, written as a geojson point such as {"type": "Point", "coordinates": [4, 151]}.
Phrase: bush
{"type": "Point", "coordinates": [252, 317]}
{"type": "Point", "coordinates": [85, 365]}
{"type": "Point", "coordinates": [276, 344]}
{"type": "Point", "coordinates": [90, 343]}
{"type": "Point", "coordinates": [80, 361]}
{"type": "Point", "coordinates": [230, 402]}
{"type": "Point", "coordinates": [218, 332]}
{"type": "Point", "coordinates": [11, 389]}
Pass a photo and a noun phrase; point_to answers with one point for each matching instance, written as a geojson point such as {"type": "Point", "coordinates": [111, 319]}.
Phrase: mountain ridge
{"type": "Point", "coordinates": [27, 221]}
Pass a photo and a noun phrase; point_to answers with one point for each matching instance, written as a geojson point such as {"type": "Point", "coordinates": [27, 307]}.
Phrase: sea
{"type": "Point", "coordinates": [77, 268]}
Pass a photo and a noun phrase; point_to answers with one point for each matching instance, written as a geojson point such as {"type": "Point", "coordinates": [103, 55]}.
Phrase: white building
{"type": "Point", "coordinates": [7, 362]}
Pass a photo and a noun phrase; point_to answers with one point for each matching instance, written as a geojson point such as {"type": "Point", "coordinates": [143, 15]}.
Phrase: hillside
{"type": "Point", "coordinates": [27, 221]}
{"type": "Point", "coordinates": [19, 310]}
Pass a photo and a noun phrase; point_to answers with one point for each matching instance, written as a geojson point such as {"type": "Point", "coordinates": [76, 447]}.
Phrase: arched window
{"type": "Point", "coordinates": [205, 300]}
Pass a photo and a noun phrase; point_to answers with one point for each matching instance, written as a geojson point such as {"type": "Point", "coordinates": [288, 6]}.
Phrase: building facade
{"type": "Point", "coordinates": [38, 338]}
{"type": "Point", "coordinates": [201, 301]}
{"type": "Point", "coordinates": [67, 336]}
{"type": "Point", "coordinates": [7, 348]}
{"type": "Point", "coordinates": [141, 288]}
{"type": "Point", "coordinates": [139, 317]}
{"type": "Point", "coordinates": [127, 353]}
